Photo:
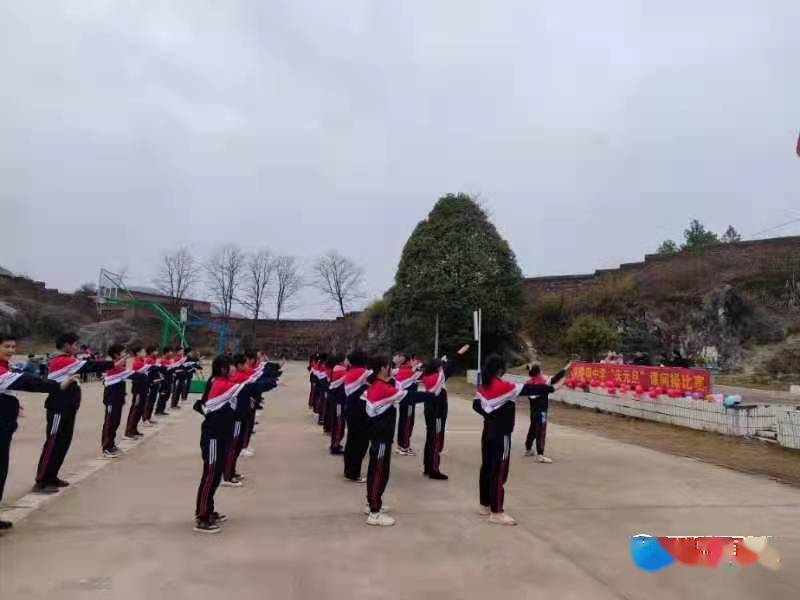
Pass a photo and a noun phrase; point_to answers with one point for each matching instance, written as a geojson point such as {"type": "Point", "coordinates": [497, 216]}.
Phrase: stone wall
{"type": "Point", "coordinates": [760, 264]}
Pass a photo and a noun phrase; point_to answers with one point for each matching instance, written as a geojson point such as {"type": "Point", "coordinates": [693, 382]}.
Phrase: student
{"type": "Point", "coordinates": [355, 449]}
{"type": "Point", "coordinates": [165, 390]}
{"type": "Point", "coordinates": [494, 401]}
{"type": "Point", "coordinates": [154, 380]}
{"type": "Point", "coordinates": [84, 354]}
{"type": "Point", "coordinates": [139, 390]}
{"type": "Point", "coordinates": [253, 382]}
{"type": "Point", "coordinates": [336, 402]}
{"type": "Point", "coordinates": [380, 399]}
{"type": "Point", "coordinates": [114, 400]}
{"type": "Point", "coordinates": [10, 383]}
{"type": "Point", "coordinates": [178, 378]}
{"type": "Point", "coordinates": [434, 377]}
{"type": "Point", "coordinates": [407, 377]}
{"type": "Point", "coordinates": [190, 365]}
{"type": "Point", "coordinates": [217, 407]}
{"type": "Point", "coordinates": [62, 409]}
{"type": "Point", "coordinates": [537, 432]}
{"type": "Point", "coordinates": [322, 391]}
{"type": "Point", "coordinates": [312, 377]}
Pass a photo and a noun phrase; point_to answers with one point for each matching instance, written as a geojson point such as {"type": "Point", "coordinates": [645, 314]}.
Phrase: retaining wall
{"type": "Point", "coordinates": [745, 420]}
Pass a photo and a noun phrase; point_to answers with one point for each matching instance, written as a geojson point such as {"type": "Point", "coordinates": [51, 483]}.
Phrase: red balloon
{"type": "Point", "coordinates": [654, 393]}
{"type": "Point", "coordinates": [639, 390]}
{"type": "Point", "coordinates": [624, 388]}
{"type": "Point", "coordinates": [611, 383]}
{"type": "Point", "coordinates": [571, 384]}
{"type": "Point", "coordinates": [595, 383]}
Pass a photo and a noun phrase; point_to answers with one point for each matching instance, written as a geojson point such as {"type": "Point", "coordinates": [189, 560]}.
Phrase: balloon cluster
{"type": "Point", "coordinates": [656, 553]}
{"type": "Point", "coordinates": [616, 387]}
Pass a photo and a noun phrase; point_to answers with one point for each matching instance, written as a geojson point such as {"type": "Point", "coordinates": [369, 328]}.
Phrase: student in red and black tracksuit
{"type": "Point", "coordinates": [138, 378]}
{"type": "Point", "coordinates": [269, 370]}
{"type": "Point", "coordinates": [178, 378]}
{"type": "Point", "coordinates": [537, 432]}
{"type": "Point", "coordinates": [407, 377]}
{"type": "Point", "coordinates": [217, 405]}
{"type": "Point", "coordinates": [165, 390]}
{"type": "Point", "coordinates": [336, 400]}
{"type": "Point", "coordinates": [253, 381]}
{"type": "Point", "coordinates": [380, 400]}
{"type": "Point", "coordinates": [114, 399]}
{"type": "Point", "coordinates": [11, 382]}
{"type": "Point", "coordinates": [321, 402]}
{"type": "Point", "coordinates": [190, 366]}
{"type": "Point", "coordinates": [62, 409]}
{"type": "Point", "coordinates": [355, 413]}
{"type": "Point", "coordinates": [434, 378]}
{"type": "Point", "coordinates": [154, 377]}
{"type": "Point", "coordinates": [312, 378]}
{"type": "Point", "coordinates": [495, 402]}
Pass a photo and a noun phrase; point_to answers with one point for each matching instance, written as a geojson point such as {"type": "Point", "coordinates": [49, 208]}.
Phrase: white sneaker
{"type": "Point", "coordinates": [501, 519]}
{"type": "Point", "coordinates": [109, 455]}
{"type": "Point", "coordinates": [530, 452]}
{"type": "Point", "coordinates": [231, 484]}
{"type": "Point", "coordinates": [484, 511]}
{"type": "Point", "coordinates": [384, 509]}
{"type": "Point", "coordinates": [544, 460]}
{"type": "Point", "coordinates": [411, 451]}
{"type": "Point", "coordinates": [148, 424]}
{"type": "Point", "coordinates": [401, 451]}
{"type": "Point", "coordinates": [380, 520]}
{"type": "Point", "coordinates": [248, 452]}
{"type": "Point", "coordinates": [359, 480]}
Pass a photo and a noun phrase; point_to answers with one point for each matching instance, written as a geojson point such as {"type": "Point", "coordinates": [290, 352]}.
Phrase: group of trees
{"type": "Point", "coordinates": [258, 281]}
{"type": "Point", "coordinates": [696, 235]}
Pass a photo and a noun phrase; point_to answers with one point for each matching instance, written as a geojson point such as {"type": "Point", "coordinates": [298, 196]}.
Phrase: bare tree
{"type": "Point", "coordinates": [287, 284]}
{"type": "Point", "coordinates": [258, 274]}
{"type": "Point", "coordinates": [340, 279]}
{"type": "Point", "coordinates": [177, 274]}
{"type": "Point", "coordinates": [224, 277]}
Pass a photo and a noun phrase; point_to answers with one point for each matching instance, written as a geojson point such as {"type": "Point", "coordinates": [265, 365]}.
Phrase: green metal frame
{"type": "Point", "coordinates": [169, 323]}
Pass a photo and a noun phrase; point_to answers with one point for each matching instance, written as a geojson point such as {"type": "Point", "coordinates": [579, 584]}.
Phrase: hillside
{"type": "Point", "coordinates": [734, 305]}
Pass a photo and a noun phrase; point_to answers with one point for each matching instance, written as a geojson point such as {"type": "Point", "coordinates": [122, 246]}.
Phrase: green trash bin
{"type": "Point", "coordinates": [197, 385]}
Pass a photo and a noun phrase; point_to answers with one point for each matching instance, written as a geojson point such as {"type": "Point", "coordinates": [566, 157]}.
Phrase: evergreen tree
{"type": "Point", "coordinates": [454, 262]}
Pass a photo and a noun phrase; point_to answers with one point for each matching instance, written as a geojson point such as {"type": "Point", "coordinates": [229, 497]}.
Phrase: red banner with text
{"type": "Point", "coordinates": [685, 380]}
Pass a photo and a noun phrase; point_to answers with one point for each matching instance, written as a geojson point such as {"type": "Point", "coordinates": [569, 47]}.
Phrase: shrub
{"type": "Point", "coordinates": [590, 336]}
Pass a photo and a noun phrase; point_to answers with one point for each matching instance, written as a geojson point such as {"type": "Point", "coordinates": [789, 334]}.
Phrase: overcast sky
{"type": "Point", "coordinates": [592, 130]}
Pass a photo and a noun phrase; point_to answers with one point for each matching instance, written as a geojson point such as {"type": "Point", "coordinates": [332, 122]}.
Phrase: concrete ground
{"type": "Point", "coordinates": [297, 530]}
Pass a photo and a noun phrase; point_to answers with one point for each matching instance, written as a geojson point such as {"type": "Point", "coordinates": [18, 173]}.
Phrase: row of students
{"type": "Point", "coordinates": [228, 408]}
{"type": "Point", "coordinates": [374, 390]}
{"type": "Point", "coordinates": [369, 399]}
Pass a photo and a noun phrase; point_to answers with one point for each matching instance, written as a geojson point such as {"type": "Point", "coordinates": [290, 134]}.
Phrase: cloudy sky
{"type": "Point", "coordinates": [591, 130]}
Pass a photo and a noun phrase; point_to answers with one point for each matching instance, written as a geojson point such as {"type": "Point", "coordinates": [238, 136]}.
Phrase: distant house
{"type": "Point", "coordinates": [5, 272]}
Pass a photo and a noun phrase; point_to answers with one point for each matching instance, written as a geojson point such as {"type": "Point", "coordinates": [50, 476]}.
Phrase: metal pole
{"type": "Point", "coordinates": [436, 339]}
{"type": "Point", "coordinates": [478, 338]}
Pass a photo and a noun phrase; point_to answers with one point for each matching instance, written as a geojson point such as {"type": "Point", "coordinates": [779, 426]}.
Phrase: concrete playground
{"type": "Point", "coordinates": [297, 530]}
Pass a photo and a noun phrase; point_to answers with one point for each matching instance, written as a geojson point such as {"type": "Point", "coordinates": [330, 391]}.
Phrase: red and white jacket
{"type": "Point", "coordinates": [141, 366]}
{"type": "Point", "coordinates": [7, 377]}
{"type": "Point", "coordinates": [406, 376]}
{"type": "Point", "coordinates": [497, 393]}
{"type": "Point", "coordinates": [435, 382]}
{"type": "Point", "coordinates": [64, 366]}
{"type": "Point", "coordinates": [381, 396]}
{"type": "Point", "coordinates": [355, 378]}
{"type": "Point", "coordinates": [337, 377]}
{"type": "Point", "coordinates": [223, 391]}
{"type": "Point", "coordinates": [115, 375]}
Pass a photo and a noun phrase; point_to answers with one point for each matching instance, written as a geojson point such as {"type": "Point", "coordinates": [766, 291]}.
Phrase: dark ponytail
{"type": "Point", "coordinates": [491, 368]}
{"type": "Point", "coordinates": [219, 368]}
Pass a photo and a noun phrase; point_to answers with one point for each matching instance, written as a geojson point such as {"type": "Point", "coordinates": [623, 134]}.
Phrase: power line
{"type": "Point", "coordinates": [776, 227]}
